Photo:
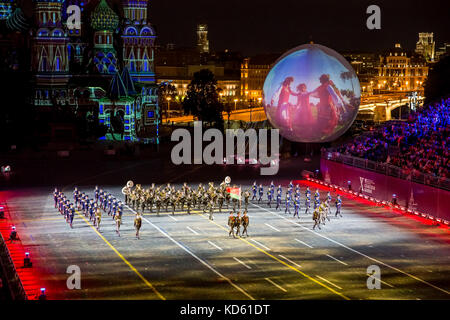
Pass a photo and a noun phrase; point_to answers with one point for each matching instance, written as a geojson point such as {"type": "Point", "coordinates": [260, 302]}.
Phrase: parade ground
{"type": "Point", "coordinates": [185, 256]}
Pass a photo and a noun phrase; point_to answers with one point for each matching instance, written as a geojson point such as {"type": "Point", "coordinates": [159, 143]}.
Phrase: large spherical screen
{"type": "Point", "coordinates": [311, 94]}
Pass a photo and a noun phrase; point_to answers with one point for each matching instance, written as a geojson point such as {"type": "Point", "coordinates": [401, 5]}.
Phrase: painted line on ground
{"type": "Point", "coordinates": [173, 218]}
{"type": "Point", "coordinates": [295, 264]}
{"type": "Point", "coordinates": [275, 284]}
{"type": "Point", "coordinates": [245, 265]}
{"type": "Point", "coordinates": [304, 243]}
{"type": "Point", "coordinates": [215, 245]}
{"type": "Point", "coordinates": [328, 281]}
{"type": "Point", "coordinates": [122, 257]}
{"type": "Point", "coordinates": [283, 263]}
{"type": "Point", "coordinates": [388, 284]}
{"type": "Point", "coordinates": [345, 264]}
{"type": "Point", "coordinates": [260, 244]}
{"type": "Point", "coordinates": [192, 230]}
{"type": "Point", "coordinates": [179, 213]}
{"type": "Point", "coordinates": [357, 252]}
{"type": "Point", "coordinates": [196, 257]}
{"type": "Point", "coordinates": [270, 226]}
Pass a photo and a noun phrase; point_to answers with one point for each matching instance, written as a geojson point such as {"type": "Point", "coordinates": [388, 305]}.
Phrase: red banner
{"type": "Point", "coordinates": [412, 195]}
{"type": "Point", "coordinates": [235, 193]}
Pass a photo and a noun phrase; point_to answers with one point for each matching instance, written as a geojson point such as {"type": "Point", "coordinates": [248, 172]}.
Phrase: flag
{"type": "Point", "coordinates": [235, 193]}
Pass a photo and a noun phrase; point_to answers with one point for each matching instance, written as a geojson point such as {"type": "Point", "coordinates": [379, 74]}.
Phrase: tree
{"type": "Point", "coordinates": [166, 90]}
{"type": "Point", "coordinates": [348, 76]}
{"type": "Point", "coordinates": [202, 99]}
{"type": "Point", "coordinates": [437, 85]}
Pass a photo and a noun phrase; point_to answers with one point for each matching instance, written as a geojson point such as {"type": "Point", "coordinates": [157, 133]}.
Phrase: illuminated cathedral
{"type": "Point", "coordinates": [104, 69]}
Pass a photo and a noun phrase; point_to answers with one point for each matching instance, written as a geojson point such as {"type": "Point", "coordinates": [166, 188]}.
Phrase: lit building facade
{"type": "Point", "coordinates": [117, 88]}
{"type": "Point", "coordinates": [77, 45]}
{"type": "Point", "coordinates": [138, 41]}
{"type": "Point", "coordinates": [82, 5]}
{"type": "Point", "coordinates": [122, 104]}
{"type": "Point", "coordinates": [202, 38]}
{"type": "Point", "coordinates": [365, 66]}
{"type": "Point", "coordinates": [399, 72]}
{"type": "Point", "coordinates": [253, 74]}
{"type": "Point", "coordinates": [138, 38]}
{"type": "Point", "coordinates": [104, 21]}
{"type": "Point", "coordinates": [426, 46]}
{"type": "Point", "coordinates": [180, 77]}
{"type": "Point", "coordinates": [443, 51]}
{"type": "Point", "coordinates": [49, 56]}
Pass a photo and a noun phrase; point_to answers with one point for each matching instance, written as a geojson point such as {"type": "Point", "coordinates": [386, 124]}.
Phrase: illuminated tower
{"type": "Point", "coordinates": [426, 46]}
{"type": "Point", "coordinates": [138, 41]}
{"type": "Point", "coordinates": [202, 38]}
{"type": "Point", "coordinates": [138, 54]}
{"type": "Point", "coordinates": [82, 5]}
{"type": "Point", "coordinates": [104, 22]}
{"type": "Point", "coordinates": [49, 58]}
{"type": "Point", "coordinates": [77, 44]}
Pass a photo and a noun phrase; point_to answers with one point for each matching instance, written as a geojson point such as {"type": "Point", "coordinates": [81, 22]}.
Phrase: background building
{"type": "Point", "coordinates": [202, 38]}
{"type": "Point", "coordinates": [104, 71]}
{"type": "Point", "coordinates": [426, 45]}
{"type": "Point", "coordinates": [443, 51]}
{"type": "Point", "coordinates": [365, 65]}
{"type": "Point", "coordinates": [399, 71]}
{"type": "Point", "coordinates": [104, 22]}
{"type": "Point", "coordinates": [138, 40]}
{"type": "Point", "coordinates": [6, 9]}
{"type": "Point", "coordinates": [181, 76]}
{"type": "Point", "coordinates": [177, 66]}
{"type": "Point", "coordinates": [49, 56]}
{"type": "Point", "coordinates": [253, 74]}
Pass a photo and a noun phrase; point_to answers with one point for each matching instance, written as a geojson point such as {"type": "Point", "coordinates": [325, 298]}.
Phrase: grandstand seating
{"type": "Point", "coordinates": [419, 145]}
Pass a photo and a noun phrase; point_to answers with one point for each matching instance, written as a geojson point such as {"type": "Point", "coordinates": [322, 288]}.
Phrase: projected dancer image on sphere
{"type": "Point", "coordinates": [311, 94]}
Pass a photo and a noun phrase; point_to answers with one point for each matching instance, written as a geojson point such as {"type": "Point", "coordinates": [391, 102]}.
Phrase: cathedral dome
{"type": "Point", "coordinates": [17, 21]}
{"type": "Point", "coordinates": [104, 18]}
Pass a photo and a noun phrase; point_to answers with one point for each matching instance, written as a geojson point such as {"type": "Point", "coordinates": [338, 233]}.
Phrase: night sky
{"type": "Point", "coordinates": [263, 26]}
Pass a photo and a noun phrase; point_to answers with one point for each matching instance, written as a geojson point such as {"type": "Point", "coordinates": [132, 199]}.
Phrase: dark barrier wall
{"type": "Point", "coordinates": [9, 272]}
{"type": "Point", "coordinates": [415, 196]}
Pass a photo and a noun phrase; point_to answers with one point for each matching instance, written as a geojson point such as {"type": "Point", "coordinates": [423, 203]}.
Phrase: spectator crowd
{"type": "Point", "coordinates": [419, 145]}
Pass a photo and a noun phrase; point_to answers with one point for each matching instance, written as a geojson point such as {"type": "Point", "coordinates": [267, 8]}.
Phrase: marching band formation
{"type": "Point", "coordinates": [321, 210]}
{"type": "Point", "coordinates": [206, 198]}
{"type": "Point", "coordinates": [90, 208]}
